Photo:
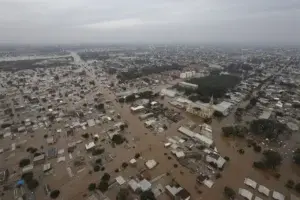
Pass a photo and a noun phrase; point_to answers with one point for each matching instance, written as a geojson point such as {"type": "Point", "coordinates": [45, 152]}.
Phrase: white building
{"type": "Point", "coordinates": [137, 108]}
{"type": "Point", "coordinates": [264, 190]}
{"type": "Point", "coordinates": [150, 164]}
{"type": "Point", "coordinates": [278, 196]}
{"type": "Point", "coordinates": [149, 122]}
{"type": "Point", "coordinates": [250, 183]}
{"type": "Point", "coordinates": [177, 192]}
{"type": "Point", "coordinates": [188, 85]}
{"type": "Point", "coordinates": [223, 107]}
{"type": "Point", "coordinates": [167, 92]}
{"type": "Point", "coordinates": [204, 140]}
{"type": "Point", "coordinates": [216, 159]}
{"type": "Point", "coordinates": [205, 111]}
{"type": "Point", "coordinates": [91, 122]}
{"type": "Point", "coordinates": [200, 138]}
{"type": "Point", "coordinates": [245, 193]}
{"type": "Point", "coordinates": [188, 74]}
{"type": "Point", "coordinates": [89, 146]}
{"type": "Point", "coordinates": [143, 185]}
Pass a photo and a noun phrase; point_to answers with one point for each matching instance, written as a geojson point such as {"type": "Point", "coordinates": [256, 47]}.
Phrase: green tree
{"type": "Point", "coordinates": [123, 194]}
{"type": "Point", "coordinates": [28, 176]}
{"type": "Point", "coordinates": [147, 195]}
{"type": "Point", "coordinates": [32, 184]}
{"type": "Point", "coordinates": [296, 156]}
{"type": "Point", "coordinates": [290, 184]}
{"type": "Point", "coordinates": [92, 186]}
{"type": "Point", "coordinates": [24, 162]}
{"type": "Point", "coordinates": [297, 187]}
{"type": "Point", "coordinates": [105, 177]}
{"type": "Point", "coordinates": [96, 168]}
{"type": "Point", "coordinates": [54, 194]}
{"type": "Point", "coordinates": [103, 186]}
{"type": "Point", "coordinates": [272, 158]}
{"type": "Point", "coordinates": [229, 192]}
{"type": "Point", "coordinates": [117, 139]}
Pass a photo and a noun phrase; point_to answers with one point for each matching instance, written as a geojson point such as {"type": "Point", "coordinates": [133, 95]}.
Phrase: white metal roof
{"type": "Point", "coordinates": [180, 154]}
{"type": "Point", "coordinates": [27, 168]}
{"type": "Point", "coordinates": [145, 185]}
{"type": "Point", "coordinates": [170, 93]}
{"type": "Point", "coordinates": [137, 108]}
{"type": "Point", "coordinates": [133, 185]}
{"type": "Point", "coordinates": [250, 183]}
{"type": "Point", "coordinates": [151, 164]}
{"type": "Point", "coordinates": [205, 140]}
{"type": "Point", "coordinates": [186, 131]}
{"type": "Point", "coordinates": [120, 180]}
{"type": "Point", "coordinates": [223, 106]}
{"type": "Point", "coordinates": [262, 189]}
{"type": "Point", "coordinates": [208, 183]}
{"type": "Point", "coordinates": [245, 193]}
{"type": "Point", "coordinates": [89, 145]}
{"type": "Point", "coordinates": [278, 196]}
{"type": "Point", "coordinates": [257, 198]}
{"type": "Point", "coordinates": [91, 122]}
{"type": "Point", "coordinates": [220, 161]}
{"type": "Point", "coordinates": [173, 190]}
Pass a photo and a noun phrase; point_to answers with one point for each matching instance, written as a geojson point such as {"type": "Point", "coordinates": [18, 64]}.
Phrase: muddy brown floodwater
{"type": "Point", "coordinates": [151, 146]}
{"type": "Point", "coordinates": [236, 170]}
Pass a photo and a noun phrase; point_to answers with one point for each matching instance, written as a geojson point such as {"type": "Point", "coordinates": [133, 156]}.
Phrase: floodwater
{"type": "Point", "coordinates": [236, 170]}
{"type": "Point", "coordinates": [151, 146]}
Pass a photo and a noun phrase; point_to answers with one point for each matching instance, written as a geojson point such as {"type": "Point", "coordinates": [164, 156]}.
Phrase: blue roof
{"type": "Point", "coordinates": [20, 182]}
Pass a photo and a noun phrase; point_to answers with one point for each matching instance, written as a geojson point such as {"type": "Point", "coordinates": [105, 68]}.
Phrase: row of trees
{"type": "Point", "coordinates": [238, 130]}
{"type": "Point", "coordinates": [136, 73]}
{"type": "Point", "coordinates": [93, 56]}
{"type": "Point", "coordinates": [140, 95]}
{"type": "Point", "coordinates": [124, 194]}
{"type": "Point", "coordinates": [102, 186]}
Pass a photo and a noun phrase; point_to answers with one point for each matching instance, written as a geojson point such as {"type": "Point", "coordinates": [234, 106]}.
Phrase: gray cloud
{"type": "Point", "coordinates": [162, 21]}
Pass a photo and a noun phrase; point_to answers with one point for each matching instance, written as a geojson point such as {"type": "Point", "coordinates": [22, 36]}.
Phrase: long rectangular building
{"type": "Point", "coordinates": [196, 136]}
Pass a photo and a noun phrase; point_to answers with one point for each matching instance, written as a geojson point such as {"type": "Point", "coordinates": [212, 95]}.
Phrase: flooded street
{"type": "Point", "coordinates": [236, 170]}
{"type": "Point", "coordinates": [82, 89]}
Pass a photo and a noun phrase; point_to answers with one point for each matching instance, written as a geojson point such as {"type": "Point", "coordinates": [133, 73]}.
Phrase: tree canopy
{"type": "Point", "coordinates": [118, 139]}
{"type": "Point", "coordinates": [272, 159]}
{"type": "Point", "coordinates": [213, 85]}
{"type": "Point", "coordinates": [105, 177]}
{"type": "Point", "coordinates": [238, 130]}
{"type": "Point", "coordinates": [296, 156]}
{"type": "Point", "coordinates": [92, 186]}
{"type": "Point", "coordinates": [54, 194]}
{"type": "Point", "coordinates": [136, 73]}
{"type": "Point", "coordinates": [147, 195]}
{"type": "Point", "coordinates": [98, 151]}
{"type": "Point", "coordinates": [103, 186]}
{"type": "Point", "coordinates": [32, 184]}
{"type": "Point", "coordinates": [123, 194]}
{"type": "Point", "coordinates": [229, 192]}
{"type": "Point", "coordinates": [24, 162]}
{"type": "Point", "coordinates": [267, 128]}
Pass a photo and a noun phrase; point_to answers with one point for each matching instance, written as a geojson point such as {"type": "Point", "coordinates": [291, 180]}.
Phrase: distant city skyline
{"type": "Point", "coordinates": [270, 22]}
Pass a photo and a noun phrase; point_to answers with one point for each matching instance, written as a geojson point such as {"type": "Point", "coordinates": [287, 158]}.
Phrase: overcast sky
{"type": "Point", "coordinates": [150, 21]}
